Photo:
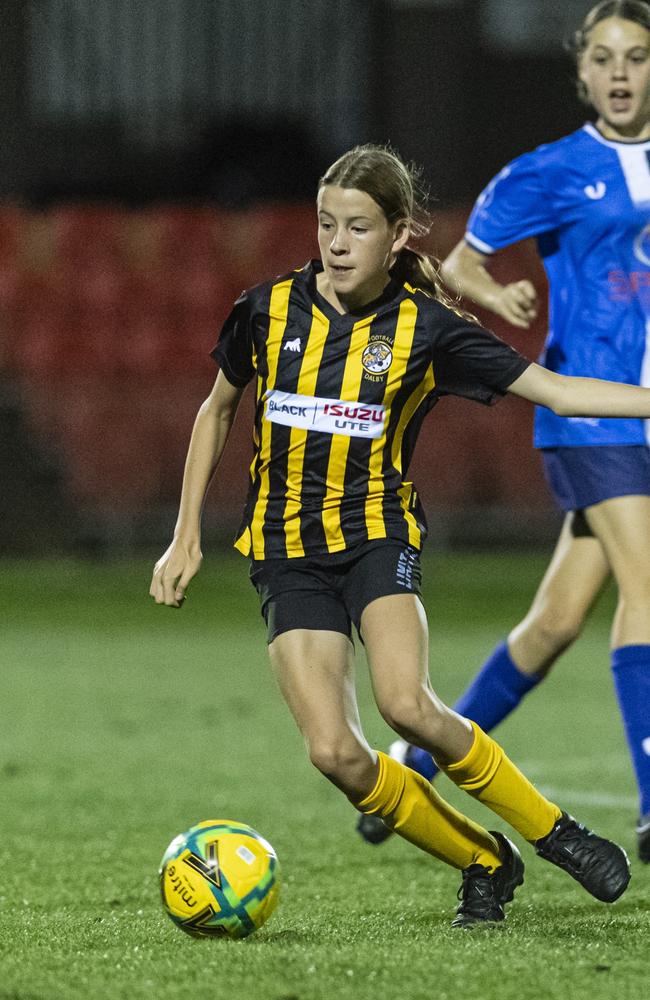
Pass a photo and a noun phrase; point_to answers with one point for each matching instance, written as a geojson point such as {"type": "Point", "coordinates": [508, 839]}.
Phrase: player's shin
{"type": "Point", "coordinates": [413, 809]}
{"type": "Point", "coordinates": [488, 775]}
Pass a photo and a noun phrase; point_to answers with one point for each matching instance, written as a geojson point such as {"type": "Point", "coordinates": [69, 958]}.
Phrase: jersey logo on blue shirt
{"type": "Point", "coordinates": [596, 191]}
{"type": "Point", "coordinates": [642, 246]}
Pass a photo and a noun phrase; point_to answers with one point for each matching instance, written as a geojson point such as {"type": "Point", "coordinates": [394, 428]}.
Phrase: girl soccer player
{"type": "Point", "coordinates": [587, 200]}
{"type": "Point", "coordinates": [348, 355]}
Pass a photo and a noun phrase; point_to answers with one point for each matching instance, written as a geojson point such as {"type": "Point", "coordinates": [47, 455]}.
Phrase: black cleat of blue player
{"type": "Point", "coordinates": [601, 867]}
{"type": "Point", "coordinates": [372, 829]}
{"type": "Point", "coordinates": [484, 893]}
{"type": "Point", "coordinates": [643, 838]}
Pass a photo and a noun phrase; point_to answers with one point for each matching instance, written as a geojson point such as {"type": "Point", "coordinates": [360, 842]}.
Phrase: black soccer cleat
{"type": "Point", "coordinates": [484, 893]}
{"type": "Point", "coordinates": [372, 828]}
{"type": "Point", "coordinates": [600, 866]}
{"type": "Point", "coordinates": [643, 838]}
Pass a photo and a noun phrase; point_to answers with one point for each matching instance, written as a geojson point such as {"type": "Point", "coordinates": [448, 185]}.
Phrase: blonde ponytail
{"type": "Point", "coordinates": [422, 270]}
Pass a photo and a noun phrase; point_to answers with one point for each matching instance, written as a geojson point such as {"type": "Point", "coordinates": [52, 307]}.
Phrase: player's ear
{"type": "Point", "coordinates": [402, 232]}
{"type": "Point", "coordinates": [582, 76]}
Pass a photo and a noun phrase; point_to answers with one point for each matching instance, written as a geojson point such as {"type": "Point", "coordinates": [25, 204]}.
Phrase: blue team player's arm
{"type": "Point", "coordinates": [465, 271]}
{"type": "Point", "coordinates": [514, 206]}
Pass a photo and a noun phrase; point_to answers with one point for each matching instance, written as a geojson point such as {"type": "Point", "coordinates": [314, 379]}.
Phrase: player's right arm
{"type": "Point", "coordinates": [182, 560]}
{"type": "Point", "coordinates": [466, 272]}
{"type": "Point", "coordinates": [517, 204]}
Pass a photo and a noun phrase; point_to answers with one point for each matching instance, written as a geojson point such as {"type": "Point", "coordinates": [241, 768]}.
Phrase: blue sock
{"type": "Point", "coordinates": [498, 687]}
{"type": "Point", "coordinates": [631, 669]}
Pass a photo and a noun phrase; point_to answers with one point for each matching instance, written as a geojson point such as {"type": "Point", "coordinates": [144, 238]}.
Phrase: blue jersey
{"type": "Point", "coordinates": [587, 201]}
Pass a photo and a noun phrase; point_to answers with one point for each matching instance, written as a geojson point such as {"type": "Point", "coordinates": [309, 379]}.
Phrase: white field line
{"type": "Point", "coordinates": [586, 798]}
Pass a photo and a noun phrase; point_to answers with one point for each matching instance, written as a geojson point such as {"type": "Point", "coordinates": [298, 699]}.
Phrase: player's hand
{"type": "Point", "coordinates": [517, 303]}
{"type": "Point", "coordinates": [173, 572]}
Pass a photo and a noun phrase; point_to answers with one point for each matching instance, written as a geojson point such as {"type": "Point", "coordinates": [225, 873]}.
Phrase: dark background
{"type": "Point", "coordinates": [159, 155]}
{"type": "Point", "coordinates": [236, 99]}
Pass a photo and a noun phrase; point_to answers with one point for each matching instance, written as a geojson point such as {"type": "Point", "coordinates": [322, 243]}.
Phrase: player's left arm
{"type": "Point", "coordinates": [570, 396]}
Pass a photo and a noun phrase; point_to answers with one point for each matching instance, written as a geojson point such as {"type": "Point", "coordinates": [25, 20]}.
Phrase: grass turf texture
{"type": "Point", "coordinates": [123, 724]}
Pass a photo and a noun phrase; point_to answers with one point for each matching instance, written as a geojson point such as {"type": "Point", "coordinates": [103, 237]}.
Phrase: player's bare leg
{"type": "Point", "coordinates": [315, 673]}
{"type": "Point", "coordinates": [395, 635]}
{"type": "Point", "coordinates": [314, 670]}
{"type": "Point", "coordinates": [571, 584]}
{"type": "Point", "coordinates": [573, 580]}
{"type": "Point", "coordinates": [622, 525]}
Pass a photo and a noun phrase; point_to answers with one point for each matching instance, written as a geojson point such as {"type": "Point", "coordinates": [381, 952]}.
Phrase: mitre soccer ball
{"type": "Point", "coordinates": [221, 878]}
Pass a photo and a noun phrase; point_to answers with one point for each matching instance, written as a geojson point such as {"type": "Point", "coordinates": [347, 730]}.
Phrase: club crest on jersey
{"type": "Point", "coordinates": [642, 245]}
{"type": "Point", "coordinates": [377, 357]}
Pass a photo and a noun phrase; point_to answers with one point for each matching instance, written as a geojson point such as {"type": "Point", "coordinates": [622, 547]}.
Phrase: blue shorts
{"type": "Point", "coordinates": [583, 476]}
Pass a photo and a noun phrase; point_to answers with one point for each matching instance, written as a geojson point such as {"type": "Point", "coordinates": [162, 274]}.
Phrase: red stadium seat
{"type": "Point", "coordinates": [108, 317]}
{"type": "Point", "coordinates": [13, 221]}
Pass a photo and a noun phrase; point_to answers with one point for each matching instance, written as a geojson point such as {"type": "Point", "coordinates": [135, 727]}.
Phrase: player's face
{"type": "Point", "coordinates": [357, 244]}
{"type": "Point", "coordinates": [615, 69]}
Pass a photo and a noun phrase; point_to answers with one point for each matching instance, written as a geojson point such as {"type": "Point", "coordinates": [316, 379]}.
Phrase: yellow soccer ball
{"type": "Point", "coordinates": [221, 878]}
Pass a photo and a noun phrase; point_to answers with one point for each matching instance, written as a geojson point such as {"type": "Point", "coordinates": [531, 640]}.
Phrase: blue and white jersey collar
{"type": "Point", "coordinates": [634, 158]}
{"type": "Point", "coordinates": [590, 129]}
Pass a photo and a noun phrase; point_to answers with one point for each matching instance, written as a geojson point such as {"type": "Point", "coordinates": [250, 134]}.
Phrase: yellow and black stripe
{"type": "Point", "coordinates": [317, 491]}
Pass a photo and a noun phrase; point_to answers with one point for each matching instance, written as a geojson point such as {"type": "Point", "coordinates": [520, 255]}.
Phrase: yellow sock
{"type": "Point", "coordinates": [410, 806]}
{"type": "Point", "coordinates": [491, 777]}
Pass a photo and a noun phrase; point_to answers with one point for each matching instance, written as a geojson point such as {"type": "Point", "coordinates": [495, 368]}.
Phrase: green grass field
{"type": "Point", "coordinates": [122, 724]}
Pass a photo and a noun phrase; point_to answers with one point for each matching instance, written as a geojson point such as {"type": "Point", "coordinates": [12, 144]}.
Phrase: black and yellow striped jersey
{"type": "Point", "coordinates": [340, 400]}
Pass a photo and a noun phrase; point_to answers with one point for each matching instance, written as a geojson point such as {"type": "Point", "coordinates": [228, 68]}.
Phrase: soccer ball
{"type": "Point", "coordinates": [221, 878]}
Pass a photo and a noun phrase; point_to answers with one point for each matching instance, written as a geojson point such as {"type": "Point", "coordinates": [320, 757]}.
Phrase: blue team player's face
{"type": "Point", "coordinates": [615, 69]}
{"type": "Point", "coordinates": [358, 245]}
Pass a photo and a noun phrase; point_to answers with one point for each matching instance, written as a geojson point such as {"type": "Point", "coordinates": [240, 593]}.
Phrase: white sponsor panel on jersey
{"type": "Point", "coordinates": [635, 166]}
{"type": "Point", "coordinates": [330, 416]}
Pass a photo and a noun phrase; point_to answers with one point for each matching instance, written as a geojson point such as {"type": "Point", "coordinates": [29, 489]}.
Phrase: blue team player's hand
{"type": "Point", "coordinates": [466, 271]}
{"type": "Point", "coordinates": [517, 303]}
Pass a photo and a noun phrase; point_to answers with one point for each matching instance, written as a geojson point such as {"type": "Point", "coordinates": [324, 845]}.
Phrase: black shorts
{"type": "Point", "coordinates": [331, 591]}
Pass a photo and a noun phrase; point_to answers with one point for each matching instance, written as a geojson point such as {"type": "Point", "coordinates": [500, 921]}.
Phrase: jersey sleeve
{"type": "Point", "coordinates": [472, 362]}
{"type": "Point", "coordinates": [515, 205]}
{"type": "Point", "coordinates": [234, 349]}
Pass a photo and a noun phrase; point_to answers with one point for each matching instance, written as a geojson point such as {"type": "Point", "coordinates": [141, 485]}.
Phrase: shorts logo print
{"type": "Point", "coordinates": [405, 567]}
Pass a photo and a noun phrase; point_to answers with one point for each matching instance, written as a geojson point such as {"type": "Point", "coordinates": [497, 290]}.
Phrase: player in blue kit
{"type": "Point", "coordinates": [586, 199]}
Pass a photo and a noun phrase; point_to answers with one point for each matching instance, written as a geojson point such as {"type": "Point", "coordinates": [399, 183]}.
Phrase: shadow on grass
{"type": "Point", "coordinates": [288, 936]}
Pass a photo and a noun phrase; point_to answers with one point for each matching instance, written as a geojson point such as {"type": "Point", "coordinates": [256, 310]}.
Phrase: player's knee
{"type": "Point", "coordinates": [410, 713]}
{"type": "Point", "coordinates": [556, 628]}
{"type": "Point", "coordinates": [334, 758]}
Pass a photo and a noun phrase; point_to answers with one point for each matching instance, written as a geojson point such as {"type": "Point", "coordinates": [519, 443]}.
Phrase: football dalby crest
{"type": "Point", "coordinates": [221, 878]}
{"type": "Point", "coordinates": [377, 357]}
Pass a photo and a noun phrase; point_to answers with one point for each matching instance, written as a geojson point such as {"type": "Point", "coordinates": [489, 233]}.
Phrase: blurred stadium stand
{"type": "Point", "coordinates": [160, 155]}
{"type": "Point", "coordinates": [107, 317]}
